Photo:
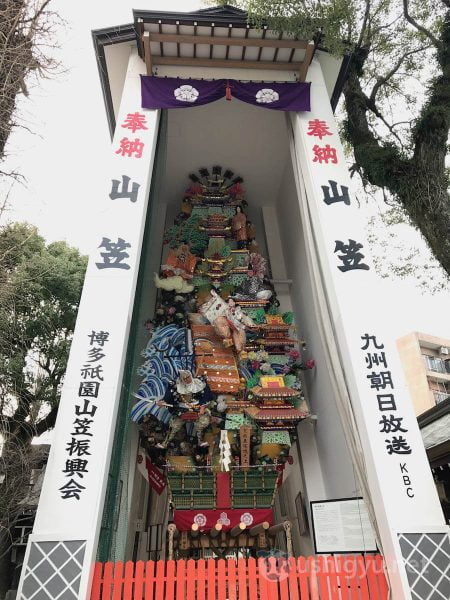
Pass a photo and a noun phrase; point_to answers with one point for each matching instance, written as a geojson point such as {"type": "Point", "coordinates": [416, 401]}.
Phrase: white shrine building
{"type": "Point", "coordinates": [358, 479]}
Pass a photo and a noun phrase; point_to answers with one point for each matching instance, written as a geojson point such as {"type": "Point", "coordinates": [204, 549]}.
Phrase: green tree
{"type": "Point", "coordinates": [40, 288]}
{"type": "Point", "coordinates": [397, 95]}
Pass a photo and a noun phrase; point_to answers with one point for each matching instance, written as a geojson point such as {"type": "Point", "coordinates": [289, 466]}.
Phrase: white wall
{"type": "Point", "coordinates": [247, 139]}
{"type": "Point", "coordinates": [335, 463]}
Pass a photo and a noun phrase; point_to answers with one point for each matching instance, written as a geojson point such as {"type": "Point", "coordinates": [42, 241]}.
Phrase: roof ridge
{"type": "Point", "coordinates": [224, 9]}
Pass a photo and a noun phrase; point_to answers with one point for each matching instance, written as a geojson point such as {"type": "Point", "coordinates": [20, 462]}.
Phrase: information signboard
{"type": "Point", "coordinates": [342, 525]}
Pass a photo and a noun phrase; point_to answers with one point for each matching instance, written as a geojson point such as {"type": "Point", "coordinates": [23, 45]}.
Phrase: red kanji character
{"type": "Point", "coordinates": [324, 154]}
{"type": "Point", "coordinates": [135, 121]}
{"type": "Point", "coordinates": [130, 147]}
{"type": "Point", "coordinates": [318, 128]}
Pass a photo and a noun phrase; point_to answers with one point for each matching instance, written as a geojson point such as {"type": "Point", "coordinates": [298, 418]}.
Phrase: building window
{"type": "Point", "coordinates": [21, 534]}
{"type": "Point", "coordinates": [441, 390]}
{"type": "Point", "coordinates": [440, 396]}
{"type": "Point", "coordinates": [434, 363]}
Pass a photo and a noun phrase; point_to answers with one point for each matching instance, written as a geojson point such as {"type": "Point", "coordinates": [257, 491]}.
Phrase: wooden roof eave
{"type": "Point", "coordinates": [212, 40]}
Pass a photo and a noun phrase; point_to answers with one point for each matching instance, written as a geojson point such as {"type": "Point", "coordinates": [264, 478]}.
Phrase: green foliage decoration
{"type": "Point", "coordinates": [288, 318]}
{"type": "Point", "coordinates": [259, 316]}
{"type": "Point", "coordinates": [253, 380]}
{"type": "Point", "coordinates": [189, 232]}
{"type": "Point", "coordinates": [273, 310]}
{"type": "Point", "coordinates": [225, 251]}
{"type": "Point", "coordinates": [289, 380]}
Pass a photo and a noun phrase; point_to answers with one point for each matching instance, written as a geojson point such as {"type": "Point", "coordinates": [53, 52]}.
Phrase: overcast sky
{"type": "Point", "coordinates": [64, 161]}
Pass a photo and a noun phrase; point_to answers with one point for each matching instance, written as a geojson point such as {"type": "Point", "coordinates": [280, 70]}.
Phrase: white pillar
{"type": "Point", "coordinates": [276, 258]}
{"type": "Point", "coordinates": [409, 516]}
{"type": "Point", "coordinates": [62, 549]}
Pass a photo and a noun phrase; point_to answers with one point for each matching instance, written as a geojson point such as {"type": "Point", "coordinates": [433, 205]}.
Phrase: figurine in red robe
{"type": "Point", "coordinates": [239, 227]}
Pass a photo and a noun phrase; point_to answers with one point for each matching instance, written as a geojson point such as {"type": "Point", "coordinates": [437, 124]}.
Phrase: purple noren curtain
{"type": "Point", "coordinates": [174, 92]}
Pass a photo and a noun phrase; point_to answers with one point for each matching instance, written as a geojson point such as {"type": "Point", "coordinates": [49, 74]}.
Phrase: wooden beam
{"type": "Point", "coordinates": [161, 47]}
{"type": "Point", "coordinates": [184, 544]}
{"type": "Point", "coordinates": [276, 50]}
{"type": "Point", "coordinates": [244, 48]}
{"type": "Point", "coordinates": [147, 53]}
{"type": "Point", "coordinates": [221, 63]}
{"type": "Point", "coordinates": [238, 529]}
{"type": "Point", "coordinates": [262, 540]}
{"type": "Point", "coordinates": [225, 41]}
{"type": "Point", "coordinates": [276, 529]}
{"type": "Point", "coordinates": [228, 47]}
{"type": "Point", "coordinates": [216, 530]}
{"type": "Point", "coordinates": [306, 61]}
{"type": "Point", "coordinates": [257, 529]}
{"type": "Point", "coordinates": [214, 542]}
{"type": "Point", "coordinates": [263, 37]}
{"type": "Point", "coordinates": [178, 43]}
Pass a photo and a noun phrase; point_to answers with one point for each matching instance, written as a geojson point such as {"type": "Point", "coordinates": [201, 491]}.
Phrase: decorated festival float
{"type": "Point", "coordinates": [232, 391]}
{"type": "Point", "coordinates": [221, 392]}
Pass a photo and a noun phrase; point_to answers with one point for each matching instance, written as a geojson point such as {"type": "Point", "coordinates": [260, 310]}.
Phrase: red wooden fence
{"type": "Point", "coordinates": [313, 578]}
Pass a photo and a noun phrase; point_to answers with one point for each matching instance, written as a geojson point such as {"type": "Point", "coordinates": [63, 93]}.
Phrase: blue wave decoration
{"type": "Point", "coordinates": [166, 353]}
{"type": "Point", "coordinates": [152, 388]}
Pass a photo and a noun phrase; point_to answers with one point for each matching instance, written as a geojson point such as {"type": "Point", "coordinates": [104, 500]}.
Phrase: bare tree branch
{"type": "Point", "coordinates": [24, 27]}
{"type": "Point", "coordinates": [385, 78]}
{"type": "Point", "coordinates": [419, 27]}
{"type": "Point", "coordinates": [364, 24]}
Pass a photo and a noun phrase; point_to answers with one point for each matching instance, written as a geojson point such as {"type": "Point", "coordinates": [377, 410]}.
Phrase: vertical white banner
{"type": "Point", "coordinates": [61, 551]}
{"type": "Point", "coordinates": [402, 488]}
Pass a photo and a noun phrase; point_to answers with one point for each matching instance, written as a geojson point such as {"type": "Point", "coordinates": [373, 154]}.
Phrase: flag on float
{"type": "Point", "coordinates": [149, 472]}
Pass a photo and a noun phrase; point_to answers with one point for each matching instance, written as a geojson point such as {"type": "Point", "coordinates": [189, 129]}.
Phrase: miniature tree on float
{"type": "Point", "coordinates": [188, 232]}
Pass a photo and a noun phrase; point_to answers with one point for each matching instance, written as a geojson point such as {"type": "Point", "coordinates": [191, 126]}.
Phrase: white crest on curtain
{"type": "Point", "coordinates": [266, 96]}
{"type": "Point", "coordinates": [223, 519]}
{"type": "Point", "coordinates": [186, 93]}
{"type": "Point", "coordinates": [247, 518]}
{"type": "Point", "coordinates": [200, 519]}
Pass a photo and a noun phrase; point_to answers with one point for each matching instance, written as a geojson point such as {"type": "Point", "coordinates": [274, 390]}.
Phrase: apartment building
{"type": "Point", "coordinates": [426, 362]}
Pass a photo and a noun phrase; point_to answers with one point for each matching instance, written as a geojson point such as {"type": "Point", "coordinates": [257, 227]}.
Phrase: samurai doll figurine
{"type": "Point", "coordinates": [187, 386]}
